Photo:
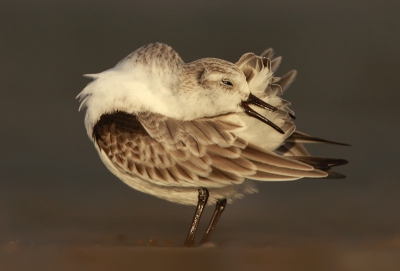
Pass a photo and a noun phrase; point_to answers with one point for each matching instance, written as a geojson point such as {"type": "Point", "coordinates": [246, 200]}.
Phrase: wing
{"type": "Point", "coordinates": [259, 71]}
{"type": "Point", "coordinates": [204, 152]}
{"type": "Point", "coordinates": [293, 147]}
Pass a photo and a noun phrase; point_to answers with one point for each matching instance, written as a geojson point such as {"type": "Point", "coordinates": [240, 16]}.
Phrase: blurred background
{"type": "Point", "coordinates": [61, 209]}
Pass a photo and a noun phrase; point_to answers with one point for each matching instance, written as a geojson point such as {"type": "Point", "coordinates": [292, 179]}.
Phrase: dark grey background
{"type": "Point", "coordinates": [57, 198]}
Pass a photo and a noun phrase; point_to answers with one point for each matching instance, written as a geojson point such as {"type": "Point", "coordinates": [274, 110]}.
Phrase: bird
{"type": "Point", "coordinates": [198, 133]}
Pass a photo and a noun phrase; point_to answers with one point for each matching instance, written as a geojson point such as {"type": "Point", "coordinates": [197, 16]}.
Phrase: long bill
{"type": "Point", "coordinates": [260, 103]}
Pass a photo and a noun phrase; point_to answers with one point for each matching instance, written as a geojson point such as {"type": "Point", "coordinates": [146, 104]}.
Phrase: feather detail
{"type": "Point", "coordinates": [166, 127]}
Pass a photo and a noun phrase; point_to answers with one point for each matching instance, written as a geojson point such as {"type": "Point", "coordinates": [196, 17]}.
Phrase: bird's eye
{"type": "Point", "coordinates": [227, 82]}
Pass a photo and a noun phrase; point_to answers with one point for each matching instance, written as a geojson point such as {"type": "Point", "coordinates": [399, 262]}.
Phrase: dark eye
{"type": "Point", "coordinates": [227, 82]}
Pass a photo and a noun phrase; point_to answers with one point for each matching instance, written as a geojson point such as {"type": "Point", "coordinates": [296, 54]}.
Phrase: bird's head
{"type": "Point", "coordinates": [209, 87]}
{"type": "Point", "coordinates": [154, 78]}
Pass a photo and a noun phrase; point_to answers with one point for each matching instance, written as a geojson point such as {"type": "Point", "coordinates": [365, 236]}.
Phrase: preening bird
{"type": "Point", "coordinates": [199, 132]}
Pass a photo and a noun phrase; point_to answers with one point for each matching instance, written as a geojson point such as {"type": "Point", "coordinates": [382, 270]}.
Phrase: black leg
{"type": "Point", "coordinates": [214, 220]}
{"type": "Point", "coordinates": [203, 197]}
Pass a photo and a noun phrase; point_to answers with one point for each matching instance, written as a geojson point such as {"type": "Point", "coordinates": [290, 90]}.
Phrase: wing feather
{"type": "Point", "coordinates": [315, 173]}
{"type": "Point", "coordinates": [195, 147]}
{"type": "Point", "coordinates": [254, 153]}
{"type": "Point", "coordinates": [224, 178]}
{"type": "Point", "coordinates": [238, 166]}
{"type": "Point", "coordinates": [204, 152]}
{"type": "Point", "coordinates": [229, 152]}
{"type": "Point", "coordinates": [266, 176]}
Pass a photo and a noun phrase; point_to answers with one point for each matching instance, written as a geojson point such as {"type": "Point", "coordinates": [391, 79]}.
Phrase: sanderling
{"type": "Point", "coordinates": [196, 132]}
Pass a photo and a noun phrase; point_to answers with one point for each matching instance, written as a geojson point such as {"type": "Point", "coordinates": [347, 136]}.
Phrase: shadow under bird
{"type": "Point", "coordinates": [199, 132]}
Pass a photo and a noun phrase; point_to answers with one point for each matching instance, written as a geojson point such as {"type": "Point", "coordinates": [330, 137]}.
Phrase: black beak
{"type": "Point", "coordinates": [256, 101]}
